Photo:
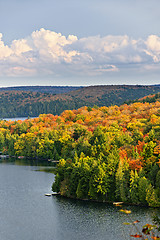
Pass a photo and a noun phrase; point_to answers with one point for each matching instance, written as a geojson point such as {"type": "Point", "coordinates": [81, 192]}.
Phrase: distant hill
{"type": "Point", "coordinates": [150, 99]}
{"type": "Point", "coordinates": [15, 102]}
{"type": "Point", "coordinates": [43, 89]}
{"type": "Point", "coordinates": [112, 94]}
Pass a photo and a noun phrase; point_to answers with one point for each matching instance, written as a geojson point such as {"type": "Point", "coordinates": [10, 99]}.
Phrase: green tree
{"type": "Point", "coordinates": [98, 185]}
{"type": "Point", "coordinates": [143, 185]}
{"type": "Point", "coordinates": [111, 169]}
{"type": "Point", "coordinates": [2, 139]}
{"type": "Point", "coordinates": [83, 188]}
{"type": "Point", "coordinates": [134, 182]}
{"type": "Point", "coordinates": [122, 181]}
{"type": "Point", "coordinates": [151, 197]}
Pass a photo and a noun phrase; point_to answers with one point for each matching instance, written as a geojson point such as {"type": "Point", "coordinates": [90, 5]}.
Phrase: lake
{"type": "Point", "coordinates": [18, 118]}
{"type": "Point", "coordinates": [27, 214]}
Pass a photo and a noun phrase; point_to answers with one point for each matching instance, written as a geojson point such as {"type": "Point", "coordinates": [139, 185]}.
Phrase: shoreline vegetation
{"type": "Point", "coordinates": [105, 154]}
{"type": "Point", "coordinates": [116, 204]}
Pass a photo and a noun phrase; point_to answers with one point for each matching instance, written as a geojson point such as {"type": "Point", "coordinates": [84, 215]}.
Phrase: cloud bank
{"type": "Point", "coordinates": [47, 53]}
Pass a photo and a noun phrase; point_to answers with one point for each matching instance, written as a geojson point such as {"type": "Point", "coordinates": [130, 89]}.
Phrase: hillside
{"type": "Point", "coordinates": [150, 98]}
{"type": "Point", "coordinates": [104, 154]}
{"type": "Point", "coordinates": [43, 89]}
{"type": "Point", "coordinates": [112, 94]}
{"type": "Point", "coordinates": [18, 103]}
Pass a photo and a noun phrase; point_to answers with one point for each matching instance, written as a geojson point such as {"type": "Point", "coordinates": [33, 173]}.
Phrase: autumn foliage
{"type": "Point", "coordinates": [106, 154]}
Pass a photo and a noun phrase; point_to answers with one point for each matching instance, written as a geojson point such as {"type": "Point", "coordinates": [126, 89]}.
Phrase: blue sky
{"type": "Point", "coordinates": [74, 42]}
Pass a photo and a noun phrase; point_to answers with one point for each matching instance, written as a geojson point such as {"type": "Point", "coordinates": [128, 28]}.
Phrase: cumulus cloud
{"type": "Point", "coordinates": [5, 51]}
{"type": "Point", "coordinates": [153, 47]}
{"type": "Point", "coordinates": [20, 46]}
{"type": "Point", "coordinates": [45, 52]}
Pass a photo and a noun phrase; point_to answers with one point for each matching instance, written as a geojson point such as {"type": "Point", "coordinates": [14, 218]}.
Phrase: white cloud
{"type": "Point", "coordinates": [153, 43]}
{"type": "Point", "coordinates": [153, 47]}
{"type": "Point", "coordinates": [106, 44]}
{"type": "Point", "coordinates": [50, 46]}
{"type": "Point", "coordinates": [20, 46]}
{"type": "Point", "coordinates": [49, 53]}
{"type": "Point", "coordinates": [5, 51]}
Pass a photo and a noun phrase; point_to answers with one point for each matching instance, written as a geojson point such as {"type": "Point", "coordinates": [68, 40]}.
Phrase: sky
{"type": "Point", "coordinates": [79, 43]}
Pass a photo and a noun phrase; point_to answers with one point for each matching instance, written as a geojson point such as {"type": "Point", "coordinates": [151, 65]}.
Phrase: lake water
{"type": "Point", "coordinates": [27, 214]}
{"type": "Point", "coordinates": [18, 118]}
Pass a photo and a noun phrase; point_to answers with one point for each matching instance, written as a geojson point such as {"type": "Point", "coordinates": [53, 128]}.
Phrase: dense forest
{"type": "Point", "coordinates": [150, 99]}
{"type": "Point", "coordinates": [105, 154]}
{"type": "Point", "coordinates": [36, 100]}
{"type": "Point", "coordinates": [41, 89]}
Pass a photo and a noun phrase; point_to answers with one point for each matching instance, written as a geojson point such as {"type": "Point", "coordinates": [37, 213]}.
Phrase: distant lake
{"type": "Point", "coordinates": [18, 118]}
{"type": "Point", "coordinates": [27, 214]}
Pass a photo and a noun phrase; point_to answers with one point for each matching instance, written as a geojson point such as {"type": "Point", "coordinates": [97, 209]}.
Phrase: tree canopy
{"type": "Point", "coordinates": [105, 154]}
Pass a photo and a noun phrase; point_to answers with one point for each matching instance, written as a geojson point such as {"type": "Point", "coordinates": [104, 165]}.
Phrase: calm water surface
{"type": "Point", "coordinates": [26, 214]}
{"type": "Point", "coordinates": [18, 118]}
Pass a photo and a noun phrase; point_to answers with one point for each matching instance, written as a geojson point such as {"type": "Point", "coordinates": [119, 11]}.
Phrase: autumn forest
{"type": "Point", "coordinates": [103, 153]}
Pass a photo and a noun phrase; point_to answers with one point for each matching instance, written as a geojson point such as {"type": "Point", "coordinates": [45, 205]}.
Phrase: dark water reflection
{"type": "Point", "coordinates": [26, 214]}
{"type": "Point", "coordinates": [89, 220]}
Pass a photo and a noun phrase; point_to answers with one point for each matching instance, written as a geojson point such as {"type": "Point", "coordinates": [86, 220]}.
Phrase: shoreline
{"type": "Point", "coordinates": [116, 204]}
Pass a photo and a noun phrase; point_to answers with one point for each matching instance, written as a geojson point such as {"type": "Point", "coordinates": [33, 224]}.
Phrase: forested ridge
{"type": "Point", "coordinates": [24, 103]}
{"type": "Point", "coordinates": [41, 89]}
{"type": "Point", "coordinates": [37, 100]}
{"type": "Point", "coordinates": [105, 154]}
